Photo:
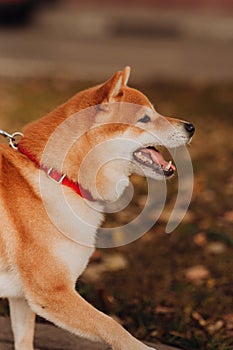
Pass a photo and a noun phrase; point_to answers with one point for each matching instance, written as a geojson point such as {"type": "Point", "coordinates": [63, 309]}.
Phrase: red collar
{"type": "Point", "coordinates": [58, 177]}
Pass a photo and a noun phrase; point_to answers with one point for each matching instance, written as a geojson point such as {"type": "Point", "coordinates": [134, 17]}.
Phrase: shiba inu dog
{"type": "Point", "coordinates": [39, 264]}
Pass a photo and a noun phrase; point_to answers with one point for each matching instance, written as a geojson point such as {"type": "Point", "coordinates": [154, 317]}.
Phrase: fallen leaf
{"type": "Point", "coordinates": [200, 239]}
{"type": "Point", "coordinates": [213, 328]}
{"type": "Point", "coordinates": [164, 310]}
{"type": "Point", "coordinates": [196, 274]}
{"type": "Point", "coordinates": [196, 316]}
{"type": "Point", "coordinates": [178, 334]}
{"type": "Point", "coordinates": [112, 262]}
{"type": "Point", "coordinates": [154, 333]}
{"type": "Point", "coordinates": [115, 262]}
{"type": "Point", "coordinates": [216, 248]}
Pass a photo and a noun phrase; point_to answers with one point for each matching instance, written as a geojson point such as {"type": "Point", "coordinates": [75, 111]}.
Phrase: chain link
{"type": "Point", "coordinates": [11, 138]}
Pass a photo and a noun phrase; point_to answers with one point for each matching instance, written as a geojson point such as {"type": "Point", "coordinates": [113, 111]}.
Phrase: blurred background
{"type": "Point", "coordinates": [177, 288]}
{"type": "Point", "coordinates": [82, 39]}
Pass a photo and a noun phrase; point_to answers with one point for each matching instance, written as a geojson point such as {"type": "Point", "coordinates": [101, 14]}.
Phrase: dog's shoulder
{"type": "Point", "coordinates": [16, 176]}
{"type": "Point", "coordinates": [9, 164]}
{"type": "Point", "coordinates": [5, 163]}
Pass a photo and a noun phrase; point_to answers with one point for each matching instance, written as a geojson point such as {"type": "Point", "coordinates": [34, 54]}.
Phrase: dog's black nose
{"type": "Point", "coordinates": [190, 128]}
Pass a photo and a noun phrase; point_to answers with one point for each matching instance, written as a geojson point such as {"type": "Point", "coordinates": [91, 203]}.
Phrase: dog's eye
{"type": "Point", "coordinates": [144, 119]}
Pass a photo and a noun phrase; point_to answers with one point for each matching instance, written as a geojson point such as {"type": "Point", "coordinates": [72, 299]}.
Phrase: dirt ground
{"type": "Point", "coordinates": [174, 288]}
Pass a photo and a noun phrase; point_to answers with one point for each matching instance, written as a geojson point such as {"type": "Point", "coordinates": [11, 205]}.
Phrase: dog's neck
{"type": "Point", "coordinates": [54, 175]}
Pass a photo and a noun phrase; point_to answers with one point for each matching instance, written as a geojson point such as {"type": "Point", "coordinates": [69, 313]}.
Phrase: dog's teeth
{"type": "Point", "coordinates": [168, 166]}
{"type": "Point", "coordinates": [143, 158]}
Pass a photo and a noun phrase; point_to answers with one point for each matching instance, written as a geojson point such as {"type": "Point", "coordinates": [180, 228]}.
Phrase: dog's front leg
{"type": "Point", "coordinates": [22, 322]}
{"type": "Point", "coordinates": [69, 310]}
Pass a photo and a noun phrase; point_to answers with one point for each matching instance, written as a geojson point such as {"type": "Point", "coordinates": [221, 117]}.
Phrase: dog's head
{"type": "Point", "coordinates": [125, 136]}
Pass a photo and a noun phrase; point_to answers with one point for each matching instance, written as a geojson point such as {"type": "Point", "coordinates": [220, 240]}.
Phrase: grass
{"type": "Point", "coordinates": [152, 296]}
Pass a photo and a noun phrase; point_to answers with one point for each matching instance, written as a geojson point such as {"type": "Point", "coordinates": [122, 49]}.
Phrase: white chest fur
{"type": "Point", "coordinates": [10, 284]}
{"type": "Point", "coordinates": [74, 256]}
{"type": "Point", "coordinates": [73, 216]}
{"type": "Point", "coordinates": [78, 222]}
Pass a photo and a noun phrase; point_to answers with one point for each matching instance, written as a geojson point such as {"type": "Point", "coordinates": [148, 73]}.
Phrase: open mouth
{"type": "Point", "coordinates": [150, 157]}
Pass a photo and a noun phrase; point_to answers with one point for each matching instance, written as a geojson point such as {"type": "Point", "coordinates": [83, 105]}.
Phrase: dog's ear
{"type": "Point", "coordinates": [113, 87]}
{"type": "Point", "coordinates": [126, 75]}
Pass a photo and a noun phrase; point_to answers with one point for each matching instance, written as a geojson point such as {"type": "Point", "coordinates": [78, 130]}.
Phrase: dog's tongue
{"type": "Point", "coordinates": [157, 157]}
